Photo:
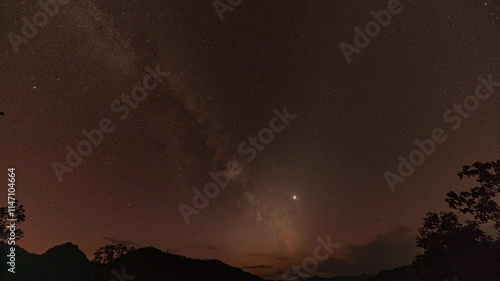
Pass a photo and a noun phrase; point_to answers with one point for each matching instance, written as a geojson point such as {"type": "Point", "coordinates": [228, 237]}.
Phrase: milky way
{"type": "Point", "coordinates": [323, 175]}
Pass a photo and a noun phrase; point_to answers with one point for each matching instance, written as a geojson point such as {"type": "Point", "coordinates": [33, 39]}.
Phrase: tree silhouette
{"type": "Point", "coordinates": [110, 253]}
{"type": "Point", "coordinates": [463, 250]}
{"type": "Point", "coordinates": [5, 215]}
{"type": "Point", "coordinates": [479, 201]}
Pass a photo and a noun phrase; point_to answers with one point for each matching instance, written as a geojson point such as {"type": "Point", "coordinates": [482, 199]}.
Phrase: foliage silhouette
{"type": "Point", "coordinates": [463, 250]}
{"type": "Point", "coordinates": [4, 216]}
{"type": "Point", "coordinates": [479, 201]}
{"type": "Point", "coordinates": [109, 253]}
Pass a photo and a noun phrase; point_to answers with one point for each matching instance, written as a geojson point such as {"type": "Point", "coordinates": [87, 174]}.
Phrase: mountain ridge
{"type": "Point", "coordinates": [67, 262]}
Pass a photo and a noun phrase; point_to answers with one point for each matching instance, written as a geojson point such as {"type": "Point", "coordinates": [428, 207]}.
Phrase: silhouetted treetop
{"type": "Point", "coordinates": [480, 200]}
{"type": "Point", "coordinates": [110, 253]}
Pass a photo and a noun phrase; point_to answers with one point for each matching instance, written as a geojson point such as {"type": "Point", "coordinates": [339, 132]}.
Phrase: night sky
{"type": "Point", "coordinates": [322, 175]}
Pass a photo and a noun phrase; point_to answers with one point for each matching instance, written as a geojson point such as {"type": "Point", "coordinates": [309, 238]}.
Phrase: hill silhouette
{"type": "Point", "coordinates": [404, 273]}
{"type": "Point", "coordinates": [365, 277]}
{"type": "Point", "coordinates": [67, 262]}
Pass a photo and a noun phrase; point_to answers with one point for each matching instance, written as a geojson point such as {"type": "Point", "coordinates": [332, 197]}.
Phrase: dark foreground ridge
{"type": "Point", "coordinates": [67, 262]}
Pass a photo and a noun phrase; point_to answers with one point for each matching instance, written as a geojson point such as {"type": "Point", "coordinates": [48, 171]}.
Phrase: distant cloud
{"type": "Point", "coordinates": [208, 247]}
{"type": "Point", "coordinates": [115, 241]}
{"type": "Point", "coordinates": [393, 249]}
{"type": "Point", "coordinates": [258, 267]}
{"type": "Point", "coordinates": [268, 256]}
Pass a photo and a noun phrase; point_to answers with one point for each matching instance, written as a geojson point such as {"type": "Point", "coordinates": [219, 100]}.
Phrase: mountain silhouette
{"type": "Point", "coordinates": [404, 273]}
{"type": "Point", "coordinates": [165, 266]}
{"type": "Point", "coordinates": [365, 277]}
{"type": "Point", "coordinates": [67, 262]}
